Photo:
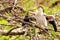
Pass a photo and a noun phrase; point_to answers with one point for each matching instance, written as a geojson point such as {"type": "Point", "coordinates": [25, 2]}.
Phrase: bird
{"type": "Point", "coordinates": [40, 18]}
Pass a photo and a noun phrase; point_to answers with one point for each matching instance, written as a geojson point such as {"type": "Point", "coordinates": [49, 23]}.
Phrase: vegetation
{"type": "Point", "coordinates": [11, 18]}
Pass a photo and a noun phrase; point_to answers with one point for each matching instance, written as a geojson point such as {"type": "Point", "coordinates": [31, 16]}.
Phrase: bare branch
{"type": "Point", "coordinates": [17, 31]}
{"type": "Point", "coordinates": [10, 8]}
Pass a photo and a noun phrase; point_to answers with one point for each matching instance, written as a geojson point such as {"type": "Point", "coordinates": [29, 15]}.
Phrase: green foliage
{"type": "Point", "coordinates": [7, 27]}
{"type": "Point", "coordinates": [4, 37]}
{"type": "Point", "coordinates": [28, 4]}
{"type": "Point", "coordinates": [3, 21]}
{"type": "Point", "coordinates": [5, 6]}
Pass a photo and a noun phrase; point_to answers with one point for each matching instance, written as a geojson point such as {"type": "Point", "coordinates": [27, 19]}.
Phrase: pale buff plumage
{"type": "Point", "coordinates": [40, 19]}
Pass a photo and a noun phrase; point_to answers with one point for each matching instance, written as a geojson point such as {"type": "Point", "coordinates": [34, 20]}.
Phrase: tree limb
{"type": "Point", "coordinates": [17, 31]}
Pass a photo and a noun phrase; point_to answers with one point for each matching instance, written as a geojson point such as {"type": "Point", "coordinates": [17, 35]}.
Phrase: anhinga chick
{"type": "Point", "coordinates": [40, 18]}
